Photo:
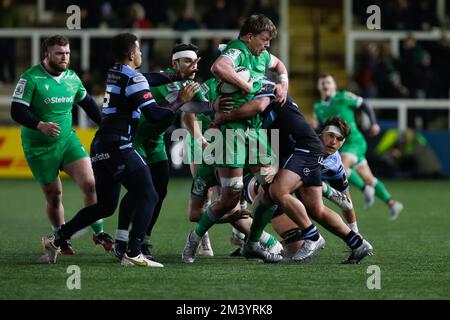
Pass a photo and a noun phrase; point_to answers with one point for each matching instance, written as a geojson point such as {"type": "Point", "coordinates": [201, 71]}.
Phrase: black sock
{"type": "Point", "coordinates": [310, 233]}
{"type": "Point", "coordinates": [134, 247]}
{"type": "Point", "coordinates": [353, 240]}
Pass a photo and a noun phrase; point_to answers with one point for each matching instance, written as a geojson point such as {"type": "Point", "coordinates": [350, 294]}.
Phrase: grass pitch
{"type": "Point", "coordinates": [413, 254]}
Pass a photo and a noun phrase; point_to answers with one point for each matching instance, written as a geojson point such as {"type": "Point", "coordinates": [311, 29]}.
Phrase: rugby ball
{"type": "Point", "coordinates": [227, 88]}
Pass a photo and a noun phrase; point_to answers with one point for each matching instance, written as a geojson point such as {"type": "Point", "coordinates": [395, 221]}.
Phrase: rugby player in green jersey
{"type": "Point", "coordinates": [344, 104]}
{"type": "Point", "coordinates": [42, 103]}
{"type": "Point", "coordinates": [250, 52]}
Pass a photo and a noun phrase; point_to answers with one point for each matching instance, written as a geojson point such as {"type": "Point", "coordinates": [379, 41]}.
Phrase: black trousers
{"type": "Point", "coordinates": [160, 177]}
{"type": "Point", "coordinates": [113, 169]}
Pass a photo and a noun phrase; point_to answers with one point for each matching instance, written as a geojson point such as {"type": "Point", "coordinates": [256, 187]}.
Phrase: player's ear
{"type": "Point", "coordinates": [131, 56]}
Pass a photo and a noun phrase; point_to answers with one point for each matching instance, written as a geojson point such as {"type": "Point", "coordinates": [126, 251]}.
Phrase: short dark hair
{"type": "Point", "coordinates": [56, 40]}
{"type": "Point", "coordinates": [184, 46]}
{"type": "Point", "coordinates": [123, 45]}
{"type": "Point", "coordinates": [340, 123]}
{"type": "Point", "coordinates": [257, 23]}
{"type": "Point", "coordinates": [324, 75]}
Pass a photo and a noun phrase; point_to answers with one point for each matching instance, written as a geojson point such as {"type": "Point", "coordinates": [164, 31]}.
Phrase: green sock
{"type": "Point", "coordinates": [261, 217]}
{"type": "Point", "coordinates": [267, 239]}
{"type": "Point", "coordinates": [381, 191]}
{"type": "Point", "coordinates": [326, 190]}
{"type": "Point", "coordinates": [204, 224]}
{"type": "Point", "coordinates": [97, 226]}
{"type": "Point", "coordinates": [356, 180]}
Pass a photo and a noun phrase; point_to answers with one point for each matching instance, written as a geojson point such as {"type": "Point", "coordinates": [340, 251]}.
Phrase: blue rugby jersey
{"type": "Point", "coordinates": [334, 173]}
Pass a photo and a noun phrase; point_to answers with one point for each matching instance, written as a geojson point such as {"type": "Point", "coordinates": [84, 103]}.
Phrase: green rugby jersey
{"type": "Point", "coordinates": [49, 99]}
{"type": "Point", "coordinates": [241, 56]}
{"type": "Point", "coordinates": [343, 104]}
{"type": "Point", "coordinates": [164, 94]}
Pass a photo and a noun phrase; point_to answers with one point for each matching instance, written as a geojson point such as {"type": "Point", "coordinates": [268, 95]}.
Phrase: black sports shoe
{"type": "Point", "coordinates": [66, 248]}
{"type": "Point", "coordinates": [104, 239]}
{"type": "Point", "coordinates": [119, 248]}
{"type": "Point", "coordinates": [145, 249]}
{"type": "Point", "coordinates": [236, 253]}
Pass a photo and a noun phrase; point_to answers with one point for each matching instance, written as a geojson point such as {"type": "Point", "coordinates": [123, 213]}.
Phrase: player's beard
{"type": "Point", "coordinates": [58, 67]}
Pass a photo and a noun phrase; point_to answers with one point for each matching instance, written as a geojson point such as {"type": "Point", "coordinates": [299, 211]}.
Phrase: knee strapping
{"type": "Point", "coordinates": [234, 183]}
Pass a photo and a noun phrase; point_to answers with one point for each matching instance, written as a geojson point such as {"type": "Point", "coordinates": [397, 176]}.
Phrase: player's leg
{"type": "Point", "coordinates": [289, 231]}
{"type": "Point", "coordinates": [231, 181]}
{"type": "Point", "coordinates": [55, 210]}
{"type": "Point", "coordinates": [381, 191]}
{"type": "Point", "coordinates": [160, 177]}
{"type": "Point", "coordinates": [300, 170]}
{"type": "Point", "coordinates": [197, 207]}
{"type": "Point", "coordinates": [349, 160]}
{"type": "Point", "coordinates": [311, 197]}
{"type": "Point", "coordinates": [108, 191]}
{"type": "Point", "coordinates": [77, 164]}
{"type": "Point", "coordinates": [139, 184]}
{"type": "Point", "coordinates": [53, 198]}
{"type": "Point", "coordinates": [44, 163]}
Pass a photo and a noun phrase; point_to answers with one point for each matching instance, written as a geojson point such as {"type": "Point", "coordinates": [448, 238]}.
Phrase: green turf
{"type": "Point", "coordinates": [413, 254]}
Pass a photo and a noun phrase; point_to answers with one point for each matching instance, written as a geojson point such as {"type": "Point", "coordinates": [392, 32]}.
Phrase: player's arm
{"type": "Point", "coordinates": [193, 127]}
{"type": "Point", "coordinates": [281, 88]}
{"type": "Point", "coordinates": [223, 68]}
{"type": "Point", "coordinates": [154, 112]}
{"type": "Point", "coordinates": [374, 127]}
{"type": "Point", "coordinates": [156, 79]}
{"type": "Point", "coordinates": [246, 111]}
{"type": "Point", "coordinates": [89, 105]}
{"type": "Point", "coordinates": [21, 114]}
{"type": "Point", "coordinates": [220, 104]}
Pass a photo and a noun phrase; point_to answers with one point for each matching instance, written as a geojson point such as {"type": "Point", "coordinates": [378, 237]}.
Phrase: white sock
{"type": "Point", "coordinates": [122, 235]}
{"type": "Point", "coordinates": [194, 236]}
{"type": "Point", "coordinates": [206, 205]}
{"type": "Point", "coordinates": [353, 226]}
{"type": "Point", "coordinates": [239, 234]}
{"type": "Point", "coordinates": [264, 237]}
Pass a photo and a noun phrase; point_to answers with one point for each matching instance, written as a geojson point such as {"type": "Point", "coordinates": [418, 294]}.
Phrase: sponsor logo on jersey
{"type": "Point", "coordinates": [20, 88]}
{"type": "Point", "coordinates": [58, 100]}
{"type": "Point", "coordinates": [139, 79]}
{"type": "Point", "coordinates": [147, 95]}
{"type": "Point", "coordinates": [100, 156]}
{"type": "Point", "coordinates": [233, 53]}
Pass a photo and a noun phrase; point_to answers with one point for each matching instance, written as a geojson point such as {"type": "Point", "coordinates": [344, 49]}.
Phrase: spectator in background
{"type": "Point", "coordinates": [424, 78]}
{"type": "Point", "coordinates": [157, 11]}
{"type": "Point", "coordinates": [365, 74]}
{"type": "Point", "coordinates": [186, 21]}
{"type": "Point", "coordinates": [427, 18]}
{"type": "Point", "coordinates": [387, 76]}
{"type": "Point", "coordinates": [9, 18]}
{"type": "Point", "coordinates": [266, 8]}
{"type": "Point", "coordinates": [441, 68]}
{"type": "Point", "coordinates": [399, 16]}
{"type": "Point", "coordinates": [217, 16]}
{"type": "Point", "coordinates": [411, 58]}
{"type": "Point", "coordinates": [137, 20]}
{"type": "Point", "coordinates": [108, 18]}
{"type": "Point", "coordinates": [209, 55]}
